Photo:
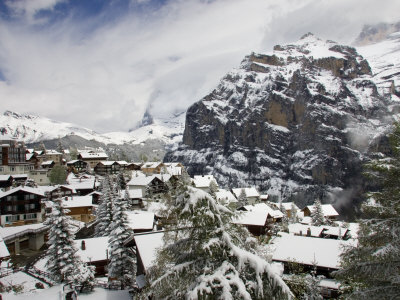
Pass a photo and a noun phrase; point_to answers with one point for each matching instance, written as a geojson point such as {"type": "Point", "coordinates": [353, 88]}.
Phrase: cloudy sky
{"type": "Point", "coordinates": [100, 64]}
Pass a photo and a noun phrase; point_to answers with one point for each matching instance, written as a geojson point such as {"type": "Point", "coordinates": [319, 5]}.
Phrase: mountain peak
{"type": "Point", "coordinates": [371, 34]}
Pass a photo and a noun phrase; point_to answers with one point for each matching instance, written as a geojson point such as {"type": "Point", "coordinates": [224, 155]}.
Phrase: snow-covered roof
{"type": "Point", "coordinates": [298, 228]}
{"type": "Point", "coordinates": [19, 176]}
{"type": "Point", "coordinates": [28, 156]}
{"type": "Point", "coordinates": [122, 162]}
{"type": "Point", "coordinates": [155, 207]}
{"type": "Point", "coordinates": [308, 250]}
{"type": "Point", "coordinates": [48, 162]}
{"type": "Point", "coordinates": [225, 196]}
{"type": "Point", "coordinates": [83, 185]}
{"type": "Point", "coordinates": [306, 220]}
{"type": "Point", "coordinates": [203, 181]}
{"type": "Point", "coordinates": [163, 177]}
{"type": "Point", "coordinates": [107, 162]}
{"type": "Point", "coordinates": [147, 245]}
{"type": "Point", "coordinates": [53, 152]}
{"type": "Point", "coordinates": [3, 249]}
{"type": "Point", "coordinates": [255, 218]}
{"type": "Point", "coordinates": [24, 189]}
{"type": "Point", "coordinates": [264, 208]}
{"type": "Point", "coordinates": [9, 232]}
{"type": "Point", "coordinates": [77, 201]}
{"type": "Point", "coordinates": [335, 231]}
{"type": "Point", "coordinates": [327, 209]}
{"type": "Point", "coordinates": [288, 205]}
{"type": "Point", "coordinates": [140, 220]}
{"type": "Point", "coordinates": [96, 249]}
{"type": "Point", "coordinates": [4, 177]}
{"type": "Point", "coordinates": [90, 155]}
{"type": "Point", "coordinates": [151, 164]}
{"type": "Point", "coordinates": [141, 180]}
{"type": "Point", "coordinates": [250, 192]}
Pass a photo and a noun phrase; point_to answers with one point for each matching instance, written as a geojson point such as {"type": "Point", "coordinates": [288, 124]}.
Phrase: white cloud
{"type": "Point", "coordinates": [105, 78]}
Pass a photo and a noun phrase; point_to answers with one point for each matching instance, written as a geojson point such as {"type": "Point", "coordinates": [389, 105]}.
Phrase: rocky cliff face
{"type": "Point", "coordinates": [297, 123]}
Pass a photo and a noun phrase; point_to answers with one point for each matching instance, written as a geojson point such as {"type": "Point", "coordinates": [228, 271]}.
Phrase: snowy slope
{"type": "Point", "coordinates": [32, 129]}
{"type": "Point", "coordinates": [384, 59]}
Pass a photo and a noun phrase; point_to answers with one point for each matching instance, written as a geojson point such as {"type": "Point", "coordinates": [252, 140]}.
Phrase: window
{"type": "Point", "coordinates": [32, 206]}
{"type": "Point", "coordinates": [26, 196]}
{"type": "Point", "coordinates": [12, 218]}
{"type": "Point", "coordinates": [31, 196]}
{"type": "Point", "coordinates": [12, 169]}
{"type": "Point", "coordinates": [29, 216]}
{"type": "Point", "coordinates": [9, 208]}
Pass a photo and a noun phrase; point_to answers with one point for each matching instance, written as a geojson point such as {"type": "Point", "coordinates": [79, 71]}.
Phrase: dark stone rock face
{"type": "Point", "coordinates": [298, 124]}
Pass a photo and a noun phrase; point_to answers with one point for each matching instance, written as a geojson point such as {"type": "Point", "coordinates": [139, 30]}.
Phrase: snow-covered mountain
{"type": "Point", "coordinates": [298, 122]}
{"type": "Point", "coordinates": [32, 129]}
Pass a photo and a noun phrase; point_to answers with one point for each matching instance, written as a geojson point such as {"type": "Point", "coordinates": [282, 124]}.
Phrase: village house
{"type": "Point", "coordinates": [80, 208]}
{"type": "Point", "coordinates": [40, 176]}
{"type": "Point", "coordinates": [6, 182]}
{"type": "Point", "coordinates": [54, 156]}
{"type": "Point", "coordinates": [135, 197]}
{"type": "Point", "coordinates": [133, 166]}
{"type": "Point", "coordinates": [225, 197]}
{"type": "Point", "coordinates": [141, 221]}
{"type": "Point", "coordinates": [92, 157]}
{"type": "Point", "coordinates": [328, 210]}
{"type": "Point", "coordinates": [77, 166]}
{"type": "Point", "coordinates": [33, 159]}
{"type": "Point", "coordinates": [47, 164]}
{"type": "Point", "coordinates": [173, 168]}
{"type": "Point", "coordinates": [147, 183]}
{"type": "Point", "coordinates": [151, 168]}
{"type": "Point", "coordinates": [94, 252]}
{"type": "Point", "coordinates": [110, 167]}
{"type": "Point", "coordinates": [21, 206]}
{"type": "Point", "coordinates": [252, 195]}
{"type": "Point", "coordinates": [203, 182]}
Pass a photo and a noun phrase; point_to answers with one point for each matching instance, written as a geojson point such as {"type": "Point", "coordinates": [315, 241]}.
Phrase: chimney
{"type": "Point", "coordinates": [83, 245]}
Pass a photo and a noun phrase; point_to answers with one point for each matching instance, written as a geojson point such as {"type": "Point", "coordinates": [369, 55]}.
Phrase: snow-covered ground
{"type": "Point", "coordinates": [54, 293]}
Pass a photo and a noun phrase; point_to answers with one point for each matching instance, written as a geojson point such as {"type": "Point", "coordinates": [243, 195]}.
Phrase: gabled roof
{"type": "Point", "coordinates": [327, 209]}
{"type": "Point", "coordinates": [253, 218]}
{"type": "Point", "coordinates": [19, 176]}
{"type": "Point", "coordinates": [5, 177]}
{"type": "Point", "coordinates": [71, 162]}
{"type": "Point", "coordinates": [89, 155]}
{"type": "Point", "coordinates": [52, 152]}
{"type": "Point", "coordinates": [48, 162]}
{"type": "Point", "coordinates": [264, 208]}
{"type": "Point", "coordinates": [152, 164]}
{"type": "Point", "coordinates": [307, 250]}
{"type": "Point", "coordinates": [3, 249]}
{"type": "Point", "coordinates": [225, 196]}
{"type": "Point", "coordinates": [250, 192]}
{"type": "Point", "coordinates": [24, 189]}
{"type": "Point", "coordinates": [96, 249]}
{"type": "Point", "coordinates": [147, 245]}
{"type": "Point", "coordinates": [298, 228]}
{"type": "Point", "coordinates": [142, 180]}
{"type": "Point", "coordinates": [288, 205]}
{"type": "Point", "coordinates": [28, 156]}
{"type": "Point", "coordinates": [203, 181]}
{"type": "Point", "coordinates": [139, 219]}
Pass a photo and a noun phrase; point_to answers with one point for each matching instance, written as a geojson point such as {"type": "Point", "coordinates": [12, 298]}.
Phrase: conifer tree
{"type": "Point", "coordinates": [208, 257]}
{"type": "Point", "coordinates": [317, 215]}
{"type": "Point", "coordinates": [371, 269]}
{"type": "Point", "coordinates": [293, 214]}
{"type": "Point", "coordinates": [63, 263]}
{"type": "Point", "coordinates": [213, 187]}
{"type": "Point", "coordinates": [242, 199]}
{"type": "Point", "coordinates": [285, 221]}
{"type": "Point", "coordinates": [104, 211]}
{"type": "Point", "coordinates": [121, 265]}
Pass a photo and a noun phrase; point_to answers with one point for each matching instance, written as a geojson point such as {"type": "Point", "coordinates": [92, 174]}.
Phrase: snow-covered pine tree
{"type": "Point", "coordinates": [242, 199]}
{"type": "Point", "coordinates": [284, 226]}
{"type": "Point", "coordinates": [122, 264]}
{"type": "Point", "coordinates": [104, 211]}
{"type": "Point", "coordinates": [293, 214]}
{"type": "Point", "coordinates": [213, 187]}
{"type": "Point", "coordinates": [121, 181]}
{"type": "Point", "coordinates": [127, 199]}
{"type": "Point", "coordinates": [208, 257]}
{"type": "Point", "coordinates": [370, 270]}
{"type": "Point", "coordinates": [317, 215]}
{"type": "Point", "coordinates": [63, 263]}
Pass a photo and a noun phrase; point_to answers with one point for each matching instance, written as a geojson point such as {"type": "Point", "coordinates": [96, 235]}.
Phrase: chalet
{"type": "Point", "coordinates": [306, 230]}
{"type": "Point", "coordinates": [258, 218]}
{"type": "Point", "coordinates": [77, 166]}
{"type": "Point", "coordinates": [20, 206]}
{"type": "Point", "coordinates": [95, 196]}
{"type": "Point", "coordinates": [92, 158]}
{"type": "Point", "coordinates": [309, 251]}
{"type": "Point", "coordinates": [203, 182]}
{"type": "Point", "coordinates": [107, 168]}
{"type": "Point", "coordinates": [33, 159]}
{"type": "Point", "coordinates": [6, 182]}
{"type": "Point", "coordinates": [252, 194]}
{"type": "Point", "coordinates": [145, 183]}
{"type": "Point", "coordinates": [94, 252]}
{"type": "Point", "coordinates": [174, 168]}
{"type": "Point", "coordinates": [18, 238]}
{"type": "Point", "coordinates": [53, 155]}
{"type": "Point", "coordinates": [135, 197]}
{"type": "Point", "coordinates": [133, 166]}
{"type": "Point", "coordinates": [60, 191]}
{"type": "Point", "coordinates": [80, 208]}
{"type": "Point", "coordinates": [146, 246]}
{"type": "Point", "coordinates": [150, 168]}
{"type": "Point", "coordinates": [19, 178]}
{"type": "Point", "coordinates": [82, 188]}
{"type": "Point", "coordinates": [328, 210]}
{"type": "Point", "coordinates": [289, 206]}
